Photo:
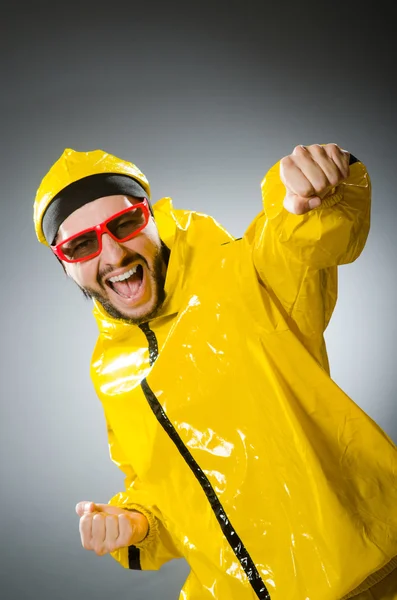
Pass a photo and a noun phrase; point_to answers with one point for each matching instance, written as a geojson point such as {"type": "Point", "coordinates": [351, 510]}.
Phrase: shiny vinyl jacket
{"type": "Point", "coordinates": [247, 459]}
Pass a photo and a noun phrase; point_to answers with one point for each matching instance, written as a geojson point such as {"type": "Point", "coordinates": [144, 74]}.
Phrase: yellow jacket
{"type": "Point", "coordinates": [247, 459]}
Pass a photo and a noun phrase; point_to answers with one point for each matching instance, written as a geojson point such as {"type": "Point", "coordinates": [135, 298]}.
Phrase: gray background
{"type": "Point", "coordinates": [204, 98]}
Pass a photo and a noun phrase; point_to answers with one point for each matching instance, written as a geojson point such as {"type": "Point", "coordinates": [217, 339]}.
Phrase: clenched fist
{"type": "Point", "coordinates": [104, 528]}
{"type": "Point", "coordinates": [310, 173]}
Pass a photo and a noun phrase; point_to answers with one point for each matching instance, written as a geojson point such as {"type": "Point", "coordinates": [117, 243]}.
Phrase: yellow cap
{"type": "Point", "coordinates": [72, 166]}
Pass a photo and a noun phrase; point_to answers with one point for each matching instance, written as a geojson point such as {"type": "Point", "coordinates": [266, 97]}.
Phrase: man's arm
{"type": "Point", "coordinates": [130, 527]}
{"type": "Point", "coordinates": [296, 254]}
{"type": "Point", "coordinates": [158, 547]}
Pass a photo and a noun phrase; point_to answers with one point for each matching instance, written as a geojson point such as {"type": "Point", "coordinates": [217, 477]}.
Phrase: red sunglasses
{"type": "Point", "coordinates": [121, 227]}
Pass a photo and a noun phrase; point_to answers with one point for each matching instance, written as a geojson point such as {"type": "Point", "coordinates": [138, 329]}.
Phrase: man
{"type": "Point", "coordinates": [240, 453]}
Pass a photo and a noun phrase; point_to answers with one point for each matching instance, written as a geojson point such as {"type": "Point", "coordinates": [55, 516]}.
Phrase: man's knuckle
{"type": "Point", "coordinates": [334, 178]}
{"type": "Point", "coordinates": [316, 149]}
{"type": "Point", "coordinates": [112, 546]}
{"type": "Point", "coordinates": [299, 149]}
{"type": "Point", "coordinates": [286, 161]}
{"type": "Point", "coordinates": [321, 182]}
{"type": "Point", "coordinates": [346, 160]}
{"type": "Point", "coordinates": [111, 518]}
{"type": "Point", "coordinates": [335, 152]}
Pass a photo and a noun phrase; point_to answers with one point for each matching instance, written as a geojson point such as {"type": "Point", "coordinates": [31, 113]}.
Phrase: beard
{"type": "Point", "coordinates": [156, 274]}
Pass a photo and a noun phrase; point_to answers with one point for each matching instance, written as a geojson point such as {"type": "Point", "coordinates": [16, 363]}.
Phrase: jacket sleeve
{"type": "Point", "coordinates": [158, 547]}
{"type": "Point", "coordinates": [296, 256]}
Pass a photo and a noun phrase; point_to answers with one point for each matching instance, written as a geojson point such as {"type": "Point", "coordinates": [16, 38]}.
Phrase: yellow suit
{"type": "Point", "coordinates": [248, 460]}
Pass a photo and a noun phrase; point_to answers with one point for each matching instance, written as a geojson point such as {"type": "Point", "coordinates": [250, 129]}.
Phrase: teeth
{"type": "Point", "coordinates": [124, 275]}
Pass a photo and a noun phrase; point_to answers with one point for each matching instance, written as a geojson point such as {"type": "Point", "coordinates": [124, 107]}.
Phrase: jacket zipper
{"type": "Point", "coordinates": [228, 530]}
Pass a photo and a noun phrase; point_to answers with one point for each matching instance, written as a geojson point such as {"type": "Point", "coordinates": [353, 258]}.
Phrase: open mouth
{"type": "Point", "coordinates": [128, 284]}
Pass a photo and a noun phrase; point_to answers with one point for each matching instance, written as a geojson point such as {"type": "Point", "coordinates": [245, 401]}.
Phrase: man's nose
{"type": "Point", "coordinates": [112, 251]}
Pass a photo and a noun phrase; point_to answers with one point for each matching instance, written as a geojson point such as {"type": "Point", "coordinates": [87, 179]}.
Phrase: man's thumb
{"type": "Point", "coordinates": [108, 508]}
{"type": "Point", "coordinates": [298, 205]}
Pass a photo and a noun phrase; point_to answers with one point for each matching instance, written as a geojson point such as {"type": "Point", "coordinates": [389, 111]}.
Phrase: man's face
{"type": "Point", "coordinates": [136, 298]}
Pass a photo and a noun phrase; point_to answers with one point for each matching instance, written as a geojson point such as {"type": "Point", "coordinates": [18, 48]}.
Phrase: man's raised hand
{"type": "Point", "coordinates": [310, 173]}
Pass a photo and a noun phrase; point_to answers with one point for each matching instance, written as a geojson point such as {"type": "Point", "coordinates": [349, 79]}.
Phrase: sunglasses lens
{"type": "Point", "coordinates": [81, 246]}
{"type": "Point", "coordinates": [126, 225]}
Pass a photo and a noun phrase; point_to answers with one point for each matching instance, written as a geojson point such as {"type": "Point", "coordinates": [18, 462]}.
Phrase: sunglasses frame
{"type": "Point", "coordinates": [102, 228]}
